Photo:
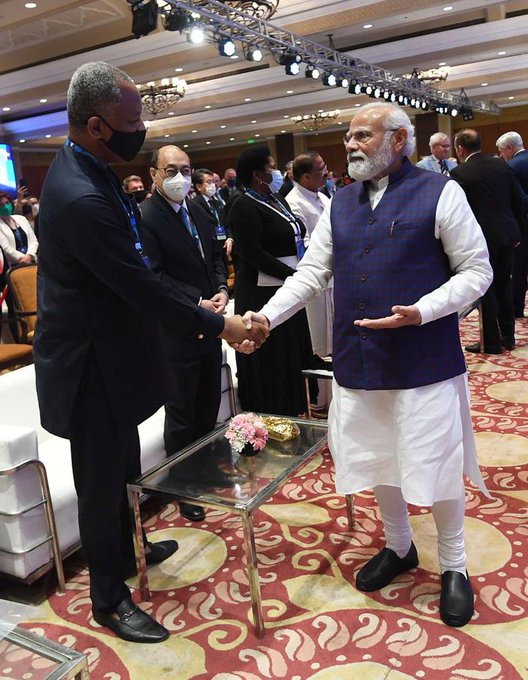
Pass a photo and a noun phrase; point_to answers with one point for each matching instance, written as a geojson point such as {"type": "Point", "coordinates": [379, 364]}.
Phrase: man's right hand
{"type": "Point", "coordinates": [246, 336]}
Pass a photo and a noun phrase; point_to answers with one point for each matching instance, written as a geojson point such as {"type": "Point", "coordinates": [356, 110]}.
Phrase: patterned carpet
{"type": "Point", "coordinates": [318, 626]}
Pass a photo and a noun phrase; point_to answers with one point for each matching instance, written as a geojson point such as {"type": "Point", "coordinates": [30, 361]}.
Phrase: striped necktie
{"type": "Point", "coordinates": [443, 168]}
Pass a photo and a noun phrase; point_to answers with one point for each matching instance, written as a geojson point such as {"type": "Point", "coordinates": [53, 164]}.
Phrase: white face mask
{"type": "Point", "coordinates": [210, 190]}
{"type": "Point", "coordinates": [176, 188]}
{"type": "Point", "coordinates": [276, 181]}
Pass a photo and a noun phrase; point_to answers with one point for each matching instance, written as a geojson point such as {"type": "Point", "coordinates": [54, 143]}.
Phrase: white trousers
{"type": "Point", "coordinates": [449, 520]}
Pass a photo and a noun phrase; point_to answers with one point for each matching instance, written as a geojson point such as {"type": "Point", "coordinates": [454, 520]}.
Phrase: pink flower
{"type": "Point", "coordinates": [247, 428]}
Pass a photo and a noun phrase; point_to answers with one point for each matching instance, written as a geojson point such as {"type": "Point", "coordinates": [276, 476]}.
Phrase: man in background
{"type": "Point", "coordinates": [438, 161]}
{"type": "Point", "coordinates": [511, 149]}
{"type": "Point", "coordinates": [495, 198]}
{"type": "Point", "coordinates": [133, 186]}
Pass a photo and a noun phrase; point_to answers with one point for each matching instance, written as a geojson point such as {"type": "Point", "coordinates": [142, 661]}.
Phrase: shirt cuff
{"type": "Point", "coordinates": [426, 312]}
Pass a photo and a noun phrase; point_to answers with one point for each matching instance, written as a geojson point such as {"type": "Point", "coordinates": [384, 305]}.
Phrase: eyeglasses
{"type": "Point", "coordinates": [363, 136]}
{"type": "Point", "coordinates": [172, 172]}
{"type": "Point", "coordinates": [323, 169]}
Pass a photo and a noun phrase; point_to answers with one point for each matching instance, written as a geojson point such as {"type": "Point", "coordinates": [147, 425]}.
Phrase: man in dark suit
{"type": "Point", "coordinates": [511, 149]}
{"type": "Point", "coordinates": [495, 198]}
{"type": "Point", "coordinates": [230, 179]}
{"type": "Point", "coordinates": [205, 188]}
{"type": "Point", "coordinates": [99, 359]}
{"type": "Point", "coordinates": [181, 242]}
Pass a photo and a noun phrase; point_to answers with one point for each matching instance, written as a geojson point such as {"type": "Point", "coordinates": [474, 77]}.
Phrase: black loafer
{"type": "Point", "coordinates": [157, 552]}
{"type": "Point", "coordinates": [194, 513]}
{"type": "Point", "coordinates": [475, 348]}
{"type": "Point", "coordinates": [508, 342]}
{"type": "Point", "coordinates": [456, 599]}
{"type": "Point", "coordinates": [383, 568]}
{"type": "Point", "coordinates": [132, 624]}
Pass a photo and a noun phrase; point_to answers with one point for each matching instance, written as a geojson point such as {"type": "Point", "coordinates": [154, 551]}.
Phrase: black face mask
{"type": "Point", "coordinates": [139, 195]}
{"type": "Point", "coordinates": [231, 183]}
{"type": "Point", "coordinates": [125, 144]}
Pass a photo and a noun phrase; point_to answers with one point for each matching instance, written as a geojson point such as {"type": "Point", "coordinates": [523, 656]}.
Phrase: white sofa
{"type": "Point", "coordinates": [25, 548]}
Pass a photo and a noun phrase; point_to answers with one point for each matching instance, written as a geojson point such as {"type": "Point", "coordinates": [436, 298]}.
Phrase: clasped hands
{"type": "Point", "coordinates": [247, 333]}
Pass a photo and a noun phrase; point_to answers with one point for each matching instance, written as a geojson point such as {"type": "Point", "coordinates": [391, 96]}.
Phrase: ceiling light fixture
{"type": "Point", "coordinates": [312, 122]}
{"type": "Point", "coordinates": [158, 96]}
{"type": "Point", "coordinates": [253, 53]}
{"type": "Point", "coordinates": [226, 47]}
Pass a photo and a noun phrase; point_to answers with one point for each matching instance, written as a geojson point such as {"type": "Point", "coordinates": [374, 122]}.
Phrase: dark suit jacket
{"type": "Point", "coordinates": [173, 253]}
{"type": "Point", "coordinates": [225, 193]}
{"type": "Point", "coordinates": [220, 211]}
{"type": "Point", "coordinates": [519, 165]}
{"type": "Point", "coordinates": [495, 198]}
{"type": "Point", "coordinates": [97, 301]}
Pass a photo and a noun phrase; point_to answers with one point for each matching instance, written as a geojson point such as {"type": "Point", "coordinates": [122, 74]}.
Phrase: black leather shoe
{"type": "Point", "coordinates": [456, 599]}
{"type": "Point", "coordinates": [383, 568]}
{"type": "Point", "coordinates": [491, 349]}
{"type": "Point", "coordinates": [132, 624]}
{"type": "Point", "coordinates": [508, 342]}
{"type": "Point", "coordinates": [194, 513]}
{"type": "Point", "coordinates": [157, 552]}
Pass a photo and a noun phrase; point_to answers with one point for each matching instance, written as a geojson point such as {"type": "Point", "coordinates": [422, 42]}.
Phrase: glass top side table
{"type": "Point", "coordinates": [209, 473]}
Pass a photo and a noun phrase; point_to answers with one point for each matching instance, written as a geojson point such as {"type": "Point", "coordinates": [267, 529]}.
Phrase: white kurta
{"type": "Point", "coordinates": [308, 206]}
{"type": "Point", "coordinates": [417, 439]}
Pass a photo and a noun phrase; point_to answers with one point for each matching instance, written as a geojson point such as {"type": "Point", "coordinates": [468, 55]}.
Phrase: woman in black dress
{"type": "Point", "coordinates": [269, 243]}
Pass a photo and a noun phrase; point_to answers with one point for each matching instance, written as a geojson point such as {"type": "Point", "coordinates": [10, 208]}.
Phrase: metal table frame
{"type": "Point", "coordinates": [73, 664]}
{"type": "Point", "coordinates": [245, 511]}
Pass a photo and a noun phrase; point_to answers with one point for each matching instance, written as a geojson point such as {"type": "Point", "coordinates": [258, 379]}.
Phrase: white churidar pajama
{"type": "Point", "coordinates": [418, 441]}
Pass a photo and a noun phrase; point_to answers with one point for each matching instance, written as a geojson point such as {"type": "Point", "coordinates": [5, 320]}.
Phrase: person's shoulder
{"type": "Point", "coordinates": [424, 163]}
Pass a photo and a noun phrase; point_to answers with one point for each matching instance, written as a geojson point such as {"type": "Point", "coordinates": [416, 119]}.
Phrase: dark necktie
{"type": "Point", "coordinates": [190, 226]}
{"type": "Point", "coordinates": [443, 168]}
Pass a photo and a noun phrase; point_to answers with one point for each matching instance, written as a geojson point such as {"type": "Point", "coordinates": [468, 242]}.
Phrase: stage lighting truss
{"type": "Point", "coordinates": [241, 21]}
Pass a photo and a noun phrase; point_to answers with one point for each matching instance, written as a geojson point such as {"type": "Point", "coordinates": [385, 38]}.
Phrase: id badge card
{"type": "Point", "coordinates": [220, 233]}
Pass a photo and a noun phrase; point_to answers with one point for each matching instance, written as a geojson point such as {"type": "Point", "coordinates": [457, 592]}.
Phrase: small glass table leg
{"type": "Point", "coordinates": [139, 545]}
{"type": "Point", "coordinates": [253, 577]}
{"type": "Point", "coordinates": [350, 510]}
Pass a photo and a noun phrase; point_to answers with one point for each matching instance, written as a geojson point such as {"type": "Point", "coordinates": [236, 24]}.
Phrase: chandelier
{"type": "Point", "coordinates": [158, 96]}
{"type": "Point", "coordinates": [257, 9]}
{"type": "Point", "coordinates": [315, 121]}
{"type": "Point", "coordinates": [433, 75]}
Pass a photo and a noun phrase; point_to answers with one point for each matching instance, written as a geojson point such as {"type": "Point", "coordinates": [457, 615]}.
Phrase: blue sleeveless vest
{"type": "Point", "coordinates": [384, 257]}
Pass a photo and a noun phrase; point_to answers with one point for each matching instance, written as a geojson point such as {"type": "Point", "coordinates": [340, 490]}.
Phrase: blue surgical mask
{"type": "Point", "coordinates": [276, 181]}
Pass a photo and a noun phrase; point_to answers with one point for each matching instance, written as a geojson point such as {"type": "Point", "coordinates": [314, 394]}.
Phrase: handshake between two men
{"type": "Point", "coordinates": [247, 333]}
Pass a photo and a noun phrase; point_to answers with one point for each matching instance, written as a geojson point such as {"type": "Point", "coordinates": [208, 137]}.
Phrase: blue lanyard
{"type": "Point", "coordinates": [125, 203]}
{"type": "Point", "coordinates": [277, 205]}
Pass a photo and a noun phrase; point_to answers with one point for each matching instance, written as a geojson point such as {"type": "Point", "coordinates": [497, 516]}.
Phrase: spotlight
{"type": "Point", "coordinates": [312, 72]}
{"type": "Point", "coordinates": [292, 69]}
{"type": "Point", "coordinates": [343, 82]}
{"type": "Point", "coordinates": [329, 80]}
{"type": "Point", "coordinates": [144, 18]}
{"type": "Point", "coordinates": [196, 35]}
{"type": "Point", "coordinates": [226, 47]}
{"type": "Point", "coordinates": [176, 21]}
{"type": "Point", "coordinates": [454, 112]}
{"type": "Point", "coordinates": [393, 97]}
{"type": "Point", "coordinates": [288, 57]}
{"type": "Point", "coordinates": [354, 87]}
{"type": "Point", "coordinates": [253, 54]}
{"type": "Point", "coordinates": [387, 95]}
{"type": "Point", "coordinates": [368, 89]}
{"type": "Point", "coordinates": [425, 105]}
{"type": "Point", "coordinates": [401, 99]}
{"type": "Point", "coordinates": [467, 113]}
{"type": "Point", "coordinates": [377, 93]}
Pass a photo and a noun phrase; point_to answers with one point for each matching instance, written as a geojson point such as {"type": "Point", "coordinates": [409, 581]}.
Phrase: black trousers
{"type": "Point", "coordinates": [104, 458]}
{"type": "Point", "coordinates": [520, 276]}
{"type": "Point", "coordinates": [195, 397]}
{"type": "Point", "coordinates": [498, 318]}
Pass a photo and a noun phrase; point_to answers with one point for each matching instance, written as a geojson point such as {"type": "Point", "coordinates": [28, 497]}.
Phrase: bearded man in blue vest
{"type": "Point", "coordinates": [406, 254]}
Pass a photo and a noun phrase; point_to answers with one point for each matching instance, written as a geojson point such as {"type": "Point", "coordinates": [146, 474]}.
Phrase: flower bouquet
{"type": "Point", "coordinates": [247, 434]}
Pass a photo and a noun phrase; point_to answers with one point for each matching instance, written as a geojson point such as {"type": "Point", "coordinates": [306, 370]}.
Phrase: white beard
{"type": "Point", "coordinates": [371, 166]}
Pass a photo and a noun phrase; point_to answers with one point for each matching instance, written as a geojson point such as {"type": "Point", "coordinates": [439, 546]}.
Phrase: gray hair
{"type": "Point", "coordinates": [93, 89]}
{"type": "Point", "coordinates": [437, 138]}
{"type": "Point", "coordinates": [512, 139]}
{"type": "Point", "coordinates": [395, 118]}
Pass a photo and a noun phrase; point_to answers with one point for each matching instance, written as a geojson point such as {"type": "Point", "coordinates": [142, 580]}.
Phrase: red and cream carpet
{"type": "Point", "coordinates": [318, 626]}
